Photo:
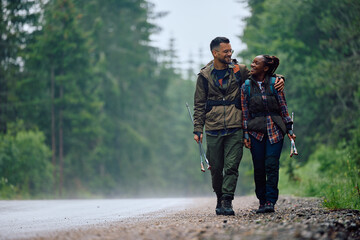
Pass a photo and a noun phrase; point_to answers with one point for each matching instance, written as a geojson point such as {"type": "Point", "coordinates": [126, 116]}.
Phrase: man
{"type": "Point", "coordinates": [217, 107]}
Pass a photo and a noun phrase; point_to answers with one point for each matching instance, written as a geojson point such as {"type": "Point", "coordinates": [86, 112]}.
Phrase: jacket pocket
{"type": "Point", "coordinates": [215, 117]}
{"type": "Point", "coordinates": [233, 116]}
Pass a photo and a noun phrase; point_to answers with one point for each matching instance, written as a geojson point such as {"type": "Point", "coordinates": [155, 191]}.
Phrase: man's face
{"type": "Point", "coordinates": [223, 53]}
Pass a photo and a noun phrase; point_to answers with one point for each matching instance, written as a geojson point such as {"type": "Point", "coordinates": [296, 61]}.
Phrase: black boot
{"type": "Point", "coordinates": [261, 209]}
{"type": "Point", "coordinates": [218, 209]}
{"type": "Point", "coordinates": [226, 206]}
{"type": "Point", "coordinates": [269, 207]}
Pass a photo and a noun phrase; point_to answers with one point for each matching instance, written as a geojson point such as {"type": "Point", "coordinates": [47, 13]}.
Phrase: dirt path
{"type": "Point", "coordinates": [295, 218]}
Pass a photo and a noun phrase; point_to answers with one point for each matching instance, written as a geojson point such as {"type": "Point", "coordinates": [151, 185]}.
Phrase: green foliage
{"type": "Point", "coordinates": [123, 64]}
{"type": "Point", "coordinates": [60, 85]}
{"type": "Point", "coordinates": [331, 174]}
{"type": "Point", "coordinates": [24, 165]}
{"type": "Point", "coordinates": [16, 17]}
{"type": "Point", "coordinates": [7, 190]}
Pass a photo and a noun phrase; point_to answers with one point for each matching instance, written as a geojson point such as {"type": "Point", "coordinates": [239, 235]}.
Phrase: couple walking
{"type": "Point", "coordinates": [240, 107]}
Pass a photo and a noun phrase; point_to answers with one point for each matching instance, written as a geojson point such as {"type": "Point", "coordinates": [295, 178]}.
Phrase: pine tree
{"type": "Point", "coordinates": [58, 64]}
{"type": "Point", "coordinates": [16, 21]}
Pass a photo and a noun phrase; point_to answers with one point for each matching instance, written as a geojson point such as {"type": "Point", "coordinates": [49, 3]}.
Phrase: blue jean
{"type": "Point", "coordinates": [265, 158]}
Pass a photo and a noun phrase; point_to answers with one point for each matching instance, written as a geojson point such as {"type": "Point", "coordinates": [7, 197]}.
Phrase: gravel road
{"type": "Point", "coordinates": [295, 218]}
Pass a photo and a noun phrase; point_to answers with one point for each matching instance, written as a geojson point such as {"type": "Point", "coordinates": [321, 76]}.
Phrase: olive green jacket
{"type": "Point", "coordinates": [223, 116]}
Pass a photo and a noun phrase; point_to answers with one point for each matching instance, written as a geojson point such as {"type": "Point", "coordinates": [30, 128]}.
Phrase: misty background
{"type": "Point", "coordinates": [93, 93]}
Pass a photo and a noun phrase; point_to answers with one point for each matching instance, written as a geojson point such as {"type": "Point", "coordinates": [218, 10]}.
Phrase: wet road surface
{"type": "Point", "coordinates": [24, 219]}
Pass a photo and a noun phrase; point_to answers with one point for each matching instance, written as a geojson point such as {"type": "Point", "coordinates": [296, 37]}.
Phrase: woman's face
{"type": "Point", "coordinates": [258, 66]}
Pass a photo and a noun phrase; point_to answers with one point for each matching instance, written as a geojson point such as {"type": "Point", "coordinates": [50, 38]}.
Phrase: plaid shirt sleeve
{"type": "Point", "coordinates": [284, 109]}
{"type": "Point", "coordinates": [244, 107]}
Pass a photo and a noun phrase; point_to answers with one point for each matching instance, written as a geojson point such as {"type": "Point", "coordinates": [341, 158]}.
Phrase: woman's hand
{"type": "Point", "coordinates": [293, 136]}
{"type": "Point", "coordinates": [247, 143]}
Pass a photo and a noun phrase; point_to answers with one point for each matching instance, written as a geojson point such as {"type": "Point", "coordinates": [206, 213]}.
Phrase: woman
{"type": "Point", "coordinates": [265, 121]}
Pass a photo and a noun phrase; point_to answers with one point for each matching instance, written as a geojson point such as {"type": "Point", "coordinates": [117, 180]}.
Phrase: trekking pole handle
{"type": "Point", "coordinates": [293, 150]}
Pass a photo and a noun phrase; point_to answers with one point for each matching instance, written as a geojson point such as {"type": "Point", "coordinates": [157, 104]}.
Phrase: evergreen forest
{"type": "Point", "coordinates": [89, 108]}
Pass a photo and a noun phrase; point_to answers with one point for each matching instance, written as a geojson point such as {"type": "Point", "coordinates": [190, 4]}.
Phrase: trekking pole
{"type": "Point", "coordinates": [201, 149]}
{"type": "Point", "coordinates": [201, 159]}
{"type": "Point", "coordinates": [293, 150]}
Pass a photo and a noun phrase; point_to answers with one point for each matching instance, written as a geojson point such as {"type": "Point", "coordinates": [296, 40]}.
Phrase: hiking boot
{"type": "Point", "coordinates": [218, 209]}
{"type": "Point", "coordinates": [261, 209]}
{"type": "Point", "coordinates": [226, 207]}
{"type": "Point", "coordinates": [269, 207]}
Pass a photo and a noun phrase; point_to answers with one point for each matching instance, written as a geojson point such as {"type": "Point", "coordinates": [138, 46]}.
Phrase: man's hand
{"type": "Point", "coordinates": [279, 84]}
{"type": "Point", "coordinates": [247, 143]}
{"type": "Point", "coordinates": [197, 138]}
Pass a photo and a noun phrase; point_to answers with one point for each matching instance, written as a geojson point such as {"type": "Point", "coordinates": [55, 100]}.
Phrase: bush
{"type": "Point", "coordinates": [331, 173]}
{"type": "Point", "coordinates": [24, 165]}
{"type": "Point", "coordinates": [7, 191]}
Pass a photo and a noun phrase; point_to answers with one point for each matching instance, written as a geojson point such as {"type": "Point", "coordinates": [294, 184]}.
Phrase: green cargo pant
{"type": "Point", "coordinates": [224, 154]}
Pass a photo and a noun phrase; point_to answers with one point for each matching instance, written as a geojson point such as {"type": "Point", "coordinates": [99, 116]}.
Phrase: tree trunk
{"type": "Point", "coordinates": [53, 137]}
{"type": "Point", "coordinates": [3, 59]}
{"type": "Point", "coordinates": [3, 104]}
{"type": "Point", "coordinates": [61, 150]}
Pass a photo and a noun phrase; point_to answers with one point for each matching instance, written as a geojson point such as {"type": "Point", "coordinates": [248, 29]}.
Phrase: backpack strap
{"type": "Point", "coordinates": [272, 85]}
{"type": "Point", "coordinates": [237, 74]}
{"type": "Point", "coordinates": [247, 88]}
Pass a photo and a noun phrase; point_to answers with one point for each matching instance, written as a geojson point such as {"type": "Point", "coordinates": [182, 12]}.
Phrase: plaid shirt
{"type": "Point", "coordinates": [273, 131]}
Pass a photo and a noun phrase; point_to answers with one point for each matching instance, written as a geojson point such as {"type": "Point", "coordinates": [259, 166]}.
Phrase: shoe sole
{"type": "Point", "coordinates": [259, 212]}
{"type": "Point", "coordinates": [219, 211]}
{"type": "Point", "coordinates": [269, 210]}
{"type": "Point", "coordinates": [229, 214]}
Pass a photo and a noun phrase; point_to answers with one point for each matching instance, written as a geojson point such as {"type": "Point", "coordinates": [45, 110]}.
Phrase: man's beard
{"type": "Point", "coordinates": [225, 60]}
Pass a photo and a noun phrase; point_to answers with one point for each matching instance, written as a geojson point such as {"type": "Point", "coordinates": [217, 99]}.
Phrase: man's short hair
{"type": "Point", "coordinates": [216, 42]}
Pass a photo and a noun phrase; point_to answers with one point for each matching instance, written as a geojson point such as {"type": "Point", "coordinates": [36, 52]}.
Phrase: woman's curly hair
{"type": "Point", "coordinates": [272, 62]}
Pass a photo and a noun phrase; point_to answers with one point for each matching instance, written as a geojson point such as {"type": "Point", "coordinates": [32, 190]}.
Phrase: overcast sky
{"type": "Point", "coordinates": [194, 23]}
